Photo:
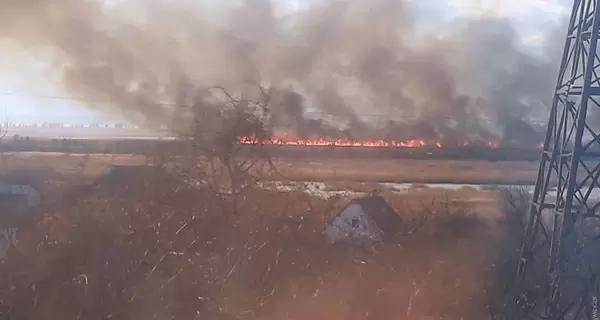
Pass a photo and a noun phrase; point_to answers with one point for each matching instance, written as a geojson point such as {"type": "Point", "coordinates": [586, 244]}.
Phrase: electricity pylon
{"type": "Point", "coordinates": [557, 274]}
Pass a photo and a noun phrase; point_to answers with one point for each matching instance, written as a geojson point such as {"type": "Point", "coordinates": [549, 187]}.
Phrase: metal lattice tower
{"type": "Point", "coordinates": [557, 274]}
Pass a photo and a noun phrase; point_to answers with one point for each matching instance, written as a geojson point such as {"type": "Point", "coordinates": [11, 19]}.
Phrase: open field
{"type": "Point", "coordinates": [409, 171]}
{"type": "Point", "coordinates": [306, 169]}
{"type": "Point", "coordinates": [148, 146]}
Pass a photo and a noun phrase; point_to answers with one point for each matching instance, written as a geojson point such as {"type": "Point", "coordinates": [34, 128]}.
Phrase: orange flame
{"type": "Point", "coordinates": [412, 143]}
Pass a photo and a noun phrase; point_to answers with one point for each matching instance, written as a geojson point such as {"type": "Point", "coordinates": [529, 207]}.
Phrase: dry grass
{"type": "Point", "coordinates": [376, 170]}
{"type": "Point", "coordinates": [404, 170]}
{"type": "Point", "coordinates": [157, 249]}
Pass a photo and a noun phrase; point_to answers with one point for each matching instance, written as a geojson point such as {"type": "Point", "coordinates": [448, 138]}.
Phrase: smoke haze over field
{"type": "Point", "coordinates": [329, 64]}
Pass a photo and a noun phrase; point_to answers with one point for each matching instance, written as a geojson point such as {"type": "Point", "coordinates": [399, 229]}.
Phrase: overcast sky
{"type": "Point", "coordinates": [531, 17]}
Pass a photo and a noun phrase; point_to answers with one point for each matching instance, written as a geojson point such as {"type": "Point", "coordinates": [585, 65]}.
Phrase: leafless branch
{"type": "Point", "coordinates": [217, 158]}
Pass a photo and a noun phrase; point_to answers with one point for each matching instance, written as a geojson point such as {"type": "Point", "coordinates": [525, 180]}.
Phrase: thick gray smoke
{"type": "Point", "coordinates": [515, 84]}
{"type": "Point", "coordinates": [330, 65]}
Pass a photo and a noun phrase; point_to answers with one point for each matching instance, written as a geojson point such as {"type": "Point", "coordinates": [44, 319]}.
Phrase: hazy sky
{"type": "Point", "coordinates": [27, 93]}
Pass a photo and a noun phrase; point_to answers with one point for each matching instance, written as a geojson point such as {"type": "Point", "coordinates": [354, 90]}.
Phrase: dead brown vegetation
{"type": "Point", "coordinates": [515, 202]}
{"type": "Point", "coordinates": [215, 158]}
{"type": "Point", "coordinates": [159, 249]}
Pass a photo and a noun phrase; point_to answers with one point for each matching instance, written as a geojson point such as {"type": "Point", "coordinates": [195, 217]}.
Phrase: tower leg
{"type": "Point", "coordinates": [560, 256]}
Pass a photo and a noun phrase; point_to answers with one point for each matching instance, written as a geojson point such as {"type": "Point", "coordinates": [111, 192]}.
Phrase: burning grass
{"type": "Point", "coordinates": [372, 143]}
{"type": "Point", "coordinates": [159, 249]}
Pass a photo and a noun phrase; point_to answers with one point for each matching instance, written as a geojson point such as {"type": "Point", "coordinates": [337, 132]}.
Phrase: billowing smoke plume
{"type": "Point", "coordinates": [350, 68]}
{"type": "Point", "coordinates": [517, 85]}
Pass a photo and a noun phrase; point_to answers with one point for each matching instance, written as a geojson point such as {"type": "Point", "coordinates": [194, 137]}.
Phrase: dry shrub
{"type": "Point", "coordinates": [438, 213]}
{"type": "Point", "coordinates": [155, 248]}
{"type": "Point", "coordinates": [515, 203]}
{"type": "Point", "coordinates": [214, 155]}
{"type": "Point", "coordinates": [159, 243]}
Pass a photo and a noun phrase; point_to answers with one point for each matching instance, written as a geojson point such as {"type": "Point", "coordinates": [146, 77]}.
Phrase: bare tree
{"type": "Point", "coordinates": [216, 157]}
